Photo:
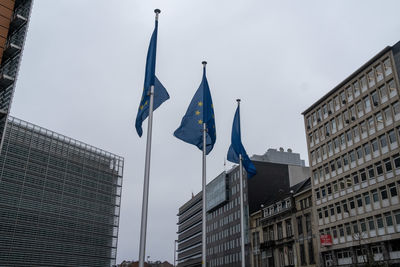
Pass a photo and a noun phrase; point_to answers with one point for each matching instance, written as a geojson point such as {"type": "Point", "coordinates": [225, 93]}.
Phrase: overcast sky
{"type": "Point", "coordinates": [82, 75]}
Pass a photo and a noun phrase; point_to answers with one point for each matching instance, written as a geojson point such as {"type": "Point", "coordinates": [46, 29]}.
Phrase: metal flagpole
{"type": "Point", "coordinates": [203, 262]}
{"type": "Point", "coordinates": [241, 208]}
{"type": "Point", "coordinates": [204, 256]}
{"type": "Point", "coordinates": [143, 226]}
{"type": "Point", "coordinates": [241, 205]}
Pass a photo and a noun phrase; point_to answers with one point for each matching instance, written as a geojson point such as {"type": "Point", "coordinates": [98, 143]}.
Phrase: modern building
{"type": "Point", "coordinates": [14, 18]}
{"type": "Point", "coordinates": [223, 210]}
{"type": "Point", "coordinates": [353, 144]}
{"type": "Point", "coordinates": [189, 232]}
{"type": "Point", "coordinates": [59, 200]}
{"type": "Point", "coordinates": [282, 230]}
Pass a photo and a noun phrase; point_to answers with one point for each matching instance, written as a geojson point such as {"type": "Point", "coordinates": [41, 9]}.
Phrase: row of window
{"type": "Point", "coordinates": [351, 92]}
{"type": "Point", "coordinates": [375, 199]}
{"type": "Point", "coordinates": [234, 229]}
{"type": "Point", "coordinates": [358, 230]}
{"type": "Point", "coordinates": [227, 259]}
{"type": "Point", "coordinates": [358, 131]}
{"type": "Point", "coordinates": [358, 156]}
{"type": "Point", "coordinates": [277, 207]}
{"type": "Point", "coordinates": [366, 176]}
{"type": "Point", "coordinates": [221, 248]}
{"type": "Point", "coordinates": [373, 123]}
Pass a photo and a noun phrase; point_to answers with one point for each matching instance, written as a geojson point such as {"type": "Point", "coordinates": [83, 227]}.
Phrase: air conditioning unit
{"type": "Point", "coordinates": [329, 112]}
{"type": "Point", "coordinates": [308, 127]}
{"type": "Point", "coordinates": [347, 121]}
{"type": "Point", "coordinates": [343, 101]}
{"type": "Point", "coordinates": [353, 118]}
{"type": "Point", "coordinates": [375, 103]}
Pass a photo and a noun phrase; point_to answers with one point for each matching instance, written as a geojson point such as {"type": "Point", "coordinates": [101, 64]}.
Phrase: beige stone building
{"type": "Point", "coordinates": [353, 144]}
{"type": "Point", "coordinates": [282, 230]}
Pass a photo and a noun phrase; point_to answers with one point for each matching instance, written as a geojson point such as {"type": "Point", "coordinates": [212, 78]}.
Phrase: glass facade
{"type": "Point", "coordinates": [59, 200]}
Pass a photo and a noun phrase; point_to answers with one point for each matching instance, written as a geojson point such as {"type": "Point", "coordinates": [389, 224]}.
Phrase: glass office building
{"type": "Point", "coordinates": [59, 200]}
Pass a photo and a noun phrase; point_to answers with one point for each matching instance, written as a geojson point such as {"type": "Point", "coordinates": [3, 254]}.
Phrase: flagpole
{"type": "Point", "coordinates": [241, 205]}
{"type": "Point", "coordinates": [204, 256]}
{"type": "Point", "coordinates": [145, 202]}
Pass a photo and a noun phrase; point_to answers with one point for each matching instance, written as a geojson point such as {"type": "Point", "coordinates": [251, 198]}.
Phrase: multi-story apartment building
{"type": "Point", "coordinates": [14, 18]}
{"type": "Point", "coordinates": [223, 209]}
{"type": "Point", "coordinates": [353, 144]}
{"type": "Point", "coordinates": [282, 230]}
{"type": "Point", "coordinates": [59, 200]}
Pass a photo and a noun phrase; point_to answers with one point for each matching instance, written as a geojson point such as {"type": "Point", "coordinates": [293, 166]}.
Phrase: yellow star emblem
{"type": "Point", "coordinates": [197, 112]}
{"type": "Point", "coordinates": [145, 103]}
{"type": "Point", "coordinates": [141, 107]}
{"type": "Point", "coordinates": [200, 104]}
{"type": "Point", "coordinates": [200, 122]}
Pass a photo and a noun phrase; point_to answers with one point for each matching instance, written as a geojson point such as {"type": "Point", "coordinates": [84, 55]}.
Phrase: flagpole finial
{"type": "Point", "coordinates": [157, 11]}
{"type": "Point", "coordinates": [238, 100]}
{"type": "Point", "coordinates": [204, 63]}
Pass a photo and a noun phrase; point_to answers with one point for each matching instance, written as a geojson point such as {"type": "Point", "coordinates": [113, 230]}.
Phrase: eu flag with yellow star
{"type": "Point", "coordinates": [200, 111]}
{"type": "Point", "coordinates": [150, 79]}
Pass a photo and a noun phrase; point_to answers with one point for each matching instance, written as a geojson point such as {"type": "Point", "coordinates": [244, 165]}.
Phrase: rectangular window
{"type": "Point", "coordinates": [387, 66]}
{"type": "Point", "coordinates": [374, 145]}
{"type": "Point", "coordinates": [383, 141]}
{"type": "Point", "coordinates": [393, 189]}
{"type": "Point", "coordinates": [371, 172]}
{"type": "Point", "coordinates": [383, 91]}
{"type": "Point", "coordinates": [379, 221]}
{"type": "Point", "coordinates": [363, 83]}
{"type": "Point", "coordinates": [355, 178]}
{"type": "Point", "coordinates": [363, 127]}
{"type": "Point", "coordinates": [371, 223]}
{"type": "Point", "coordinates": [299, 225]}
{"type": "Point", "coordinates": [379, 169]}
{"type": "Point", "coordinates": [396, 108]}
{"type": "Point", "coordinates": [371, 78]}
{"type": "Point", "coordinates": [392, 136]}
{"type": "Point", "coordinates": [302, 255]}
{"type": "Point", "coordinates": [375, 196]}
{"type": "Point", "coordinates": [379, 73]}
{"type": "Point", "coordinates": [359, 152]}
{"type": "Point", "coordinates": [384, 194]}
{"type": "Point", "coordinates": [363, 225]}
{"type": "Point", "coordinates": [388, 165]}
{"type": "Point", "coordinates": [367, 199]}
{"type": "Point", "coordinates": [356, 86]}
{"type": "Point", "coordinates": [388, 219]}
{"type": "Point", "coordinates": [311, 252]}
{"type": "Point", "coordinates": [367, 149]}
{"type": "Point", "coordinates": [367, 102]}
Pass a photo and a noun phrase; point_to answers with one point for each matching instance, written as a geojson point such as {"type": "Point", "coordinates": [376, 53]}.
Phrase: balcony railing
{"type": "Point", "coordinates": [20, 16]}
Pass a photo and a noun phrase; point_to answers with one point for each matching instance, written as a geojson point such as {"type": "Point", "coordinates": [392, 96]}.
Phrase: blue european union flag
{"type": "Point", "coordinates": [200, 111]}
{"type": "Point", "coordinates": [160, 93]}
{"type": "Point", "coordinates": [237, 147]}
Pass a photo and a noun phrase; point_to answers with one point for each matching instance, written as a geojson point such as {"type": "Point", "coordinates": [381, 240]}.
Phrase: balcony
{"type": "Point", "coordinates": [7, 74]}
{"type": "Point", "coordinates": [20, 16]}
{"type": "Point", "coordinates": [14, 44]}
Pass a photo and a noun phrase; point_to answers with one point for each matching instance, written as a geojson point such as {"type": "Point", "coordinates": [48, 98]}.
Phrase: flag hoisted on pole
{"type": "Point", "coordinates": [198, 128]}
{"type": "Point", "coordinates": [237, 154]}
{"type": "Point", "coordinates": [154, 94]}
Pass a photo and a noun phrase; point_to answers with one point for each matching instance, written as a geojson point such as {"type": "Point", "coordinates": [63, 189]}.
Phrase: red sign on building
{"type": "Point", "coordinates": [326, 240]}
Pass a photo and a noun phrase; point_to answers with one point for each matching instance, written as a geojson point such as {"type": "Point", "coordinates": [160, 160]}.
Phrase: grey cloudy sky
{"type": "Point", "coordinates": [83, 68]}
